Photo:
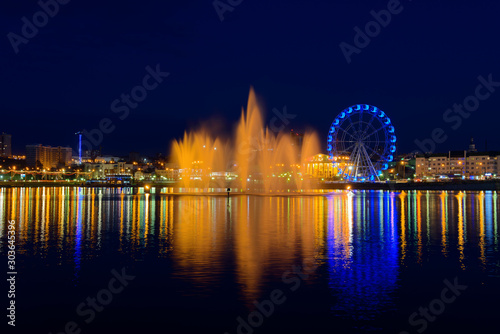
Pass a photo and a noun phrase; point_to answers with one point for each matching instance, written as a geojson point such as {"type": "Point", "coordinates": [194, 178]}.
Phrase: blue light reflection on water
{"type": "Point", "coordinates": [79, 232]}
{"type": "Point", "coordinates": [362, 254]}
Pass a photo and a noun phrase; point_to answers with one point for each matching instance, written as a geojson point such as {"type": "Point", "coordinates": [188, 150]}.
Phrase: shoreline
{"type": "Point", "coordinates": [459, 185]}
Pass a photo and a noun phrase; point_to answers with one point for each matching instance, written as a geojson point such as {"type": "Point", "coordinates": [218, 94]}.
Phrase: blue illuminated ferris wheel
{"type": "Point", "coordinates": [365, 134]}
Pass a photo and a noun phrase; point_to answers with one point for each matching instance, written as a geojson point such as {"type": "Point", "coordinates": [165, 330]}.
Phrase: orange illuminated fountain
{"type": "Point", "coordinates": [197, 155]}
{"type": "Point", "coordinates": [258, 159]}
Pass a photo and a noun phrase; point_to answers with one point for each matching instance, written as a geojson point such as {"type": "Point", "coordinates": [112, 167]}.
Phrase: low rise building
{"type": "Point", "coordinates": [463, 164]}
{"type": "Point", "coordinates": [322, 166]}
{"type": "Point", "coordinates": [102, 170]}
{"type": "Point", "coordinates": [167, 174]}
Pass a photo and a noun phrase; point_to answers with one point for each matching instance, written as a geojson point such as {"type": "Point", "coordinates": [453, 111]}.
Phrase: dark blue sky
{"type": "Point", "coordinates": [66, 77]}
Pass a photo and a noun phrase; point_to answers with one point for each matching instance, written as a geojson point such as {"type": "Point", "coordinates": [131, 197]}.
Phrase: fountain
{"type": "Point", "coordinates": [258, 159]}
{"type": "Point", "coordinates": [197, 157]}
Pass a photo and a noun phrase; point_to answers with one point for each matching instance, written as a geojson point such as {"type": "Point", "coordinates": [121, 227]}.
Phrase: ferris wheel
{"type": "Point", "coordinates": [365, 134]}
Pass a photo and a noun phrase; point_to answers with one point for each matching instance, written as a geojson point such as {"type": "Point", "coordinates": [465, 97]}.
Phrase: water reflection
{"type": "Point", "coordinates": [363, 252]}
{"type": "Point", "coordinates": [362, 241]}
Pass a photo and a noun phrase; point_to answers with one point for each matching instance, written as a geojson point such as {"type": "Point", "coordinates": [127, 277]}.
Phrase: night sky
{"type": "Point", "coordinates": [65, 78]}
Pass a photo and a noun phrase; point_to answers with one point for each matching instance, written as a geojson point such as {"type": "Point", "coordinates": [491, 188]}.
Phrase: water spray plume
{"type": "Point", "coordinates": [256, 159]}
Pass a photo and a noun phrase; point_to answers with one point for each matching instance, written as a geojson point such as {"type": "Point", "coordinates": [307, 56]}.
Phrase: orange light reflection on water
{"type": "Point", "coordinates": [257, 237]}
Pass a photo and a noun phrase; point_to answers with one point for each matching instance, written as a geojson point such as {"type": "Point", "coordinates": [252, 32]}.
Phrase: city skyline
{"type": "Point", "coordinates": [316, 63]}
{"type": "Point", "coordinates": [20, 149]}
{"type": "Point", "coordinates": [424, 144]}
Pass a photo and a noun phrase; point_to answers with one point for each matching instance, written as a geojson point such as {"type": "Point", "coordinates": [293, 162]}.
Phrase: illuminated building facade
{"type": "Point", "coordinates": [319, 165]}
{"type": "Point", "coordinates": [458, 164]}
{"type": "Point", "coordinates": [47, 156]}
{"type": "Point", "coordinates": [322, 166]}
{"type": "Point", "coordinates": [168, 174]}
{"type": "Point", "coordinates": [103, 169]}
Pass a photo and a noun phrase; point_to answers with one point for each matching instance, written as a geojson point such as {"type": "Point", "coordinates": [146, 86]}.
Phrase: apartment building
{"type": "Point", "coordinates": [458, 163]}
{"type": "Point", "coordinates": [47, 156]}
